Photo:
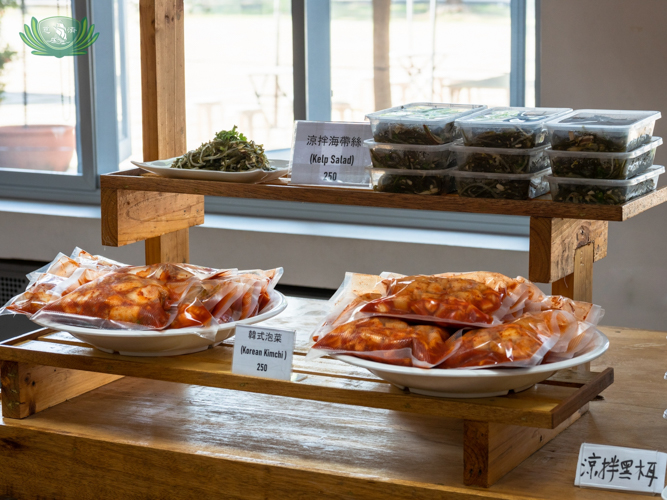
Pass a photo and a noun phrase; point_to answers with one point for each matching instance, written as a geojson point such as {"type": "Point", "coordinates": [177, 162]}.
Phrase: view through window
{"type": "Point", "coordinates": [238, 62]}
{"type": "Point", "coordinates": [38, 114]}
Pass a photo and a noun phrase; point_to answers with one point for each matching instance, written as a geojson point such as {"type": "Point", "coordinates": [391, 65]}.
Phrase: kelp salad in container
{"type": "Point", "coordinates": [501, 186]}
{"type": "Point", "coordinates": [599, 130]}
{"type": "Point", "coordinates": [424, 123]}
{"type": "Point", "coordinates": [428, 182]}
{"type": "Point", "coordinates": [604, 191]}
{"type": "Point", "coordinates": [409, 156]}
{"type": "Point", "coordinates": [594, 165]}
{"type": "Point", "coordinates": [500, 160]}
{"type": "Point", "coordinates": [508, 127]}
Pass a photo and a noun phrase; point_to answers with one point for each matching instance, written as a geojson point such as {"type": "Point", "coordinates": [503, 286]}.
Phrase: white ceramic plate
{"type": "Point", "coordinates": [464, 383]}
{"type": "Point", "coordinates": [165, 342]}
{"type": "Point", "coordinates": [162, 168]}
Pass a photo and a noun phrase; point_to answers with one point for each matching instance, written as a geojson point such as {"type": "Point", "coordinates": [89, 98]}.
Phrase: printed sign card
{"type": "Point", "coordinates": [263, 352]}
{"type": "Point", "coordinates": [617, 468]}
{"type": "Point", "coordinates": [330, 153]}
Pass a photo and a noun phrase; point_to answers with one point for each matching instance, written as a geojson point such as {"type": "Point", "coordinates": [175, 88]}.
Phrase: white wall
{"type": "Point", "coordinates": [610, 54]}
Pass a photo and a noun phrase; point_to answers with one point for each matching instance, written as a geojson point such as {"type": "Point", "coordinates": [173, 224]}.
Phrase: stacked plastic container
{"type": "Point", "coordinates": [503, 153]}
{"type": "Point", "coordinates": [411, 147]}
{"type": "Point", "coordinates": [603, 156]}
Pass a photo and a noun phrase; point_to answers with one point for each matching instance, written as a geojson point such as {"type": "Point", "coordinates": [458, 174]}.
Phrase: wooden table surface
{"type": "Point", "coordinates": [139, 438]}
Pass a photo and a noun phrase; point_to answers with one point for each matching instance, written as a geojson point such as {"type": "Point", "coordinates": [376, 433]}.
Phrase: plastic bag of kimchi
{"type": "Point", "coordinates": [387, 340]}
{"type": "Point", "coordinates": [124, 301]}
{"type": "Point", "coordinates": [59, 277]}
{"type": "Point", "coordinates": [254, 288]}
{"type": "Point", "coordinates": [521, 343]}
{"type": "Point", "coordinates": [355, 291]}
{"type": "Point", "coordinates": [531, 299]}
{"type": "Point", "coordinates": [443, 300]}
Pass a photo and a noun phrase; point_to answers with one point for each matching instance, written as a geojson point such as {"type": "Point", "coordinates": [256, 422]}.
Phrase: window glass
{"type": "Point", "coordinates": [439, 51]}
{"type": "Point", "coordinates": [38, 113]}
{"type": "Point", "coordinates": [238, 71]}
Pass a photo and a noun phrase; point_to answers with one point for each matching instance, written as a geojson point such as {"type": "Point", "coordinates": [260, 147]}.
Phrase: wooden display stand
{"type": "Point", "coordinates": [45, 368]}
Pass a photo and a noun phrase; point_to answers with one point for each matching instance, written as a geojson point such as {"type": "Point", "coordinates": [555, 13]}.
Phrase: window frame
{"type": "Point", "coordinates": [97, 124]}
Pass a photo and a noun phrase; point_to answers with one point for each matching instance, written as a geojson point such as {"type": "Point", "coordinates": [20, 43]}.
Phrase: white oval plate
{"type": "Point", "coordinates": [165, 342]}
{"type": "Point", "coordinates": [163, 168]}
{"type": "Point", "coordinates": [464, 383]}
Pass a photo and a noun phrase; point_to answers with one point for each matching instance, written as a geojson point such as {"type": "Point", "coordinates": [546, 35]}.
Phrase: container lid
{"type": "Point", "coordinates": [420, 173]}
{"type": "Point", "coordinates": [511, 116]}
{"type": "Point", "coordinates": [654, 143]}
{"type": "Point", "coordinates": [652, 172]}
{"type": "Point", "coordinates": [425, 112]}
{"type": "Point", "coordinates": [603, 118]}
{"type": "Point", "coordinates": [458, 146]}
{"type": "Point", "coordinates": [370, 143]}
{"type": "Point", "coordinates": [493, 175]}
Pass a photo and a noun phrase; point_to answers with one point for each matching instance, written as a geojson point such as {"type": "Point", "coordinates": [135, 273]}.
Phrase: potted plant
{"type": "Point", "coordinates": [34, 147]}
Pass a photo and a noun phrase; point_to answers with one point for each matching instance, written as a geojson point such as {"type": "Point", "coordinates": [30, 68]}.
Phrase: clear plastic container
{"type": "Point", "coordinates": [501, 160]}
{"type": "Point", "coordinates": [410, 156]}
{"type": "Point", "coordinates": [602, 130]}
{"type": "Point", "coordinates": [506, 127]}
{"type": "Point", "coordinates": [604, 191]}
{"type": "Point", "coordinates": [424, 123]}
{"type": "Point", "coordinates": [501, 186]}
{"type": "Point", "coordinates": [392, 180]}
{"type": "Point", "coordinates": [592, 165]}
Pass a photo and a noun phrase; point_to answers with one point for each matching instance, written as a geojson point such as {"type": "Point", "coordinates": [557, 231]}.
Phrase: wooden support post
{"type": "Point", "coordinates": [163, 104]}
{"type": "Point", "coordinates": [556, 244]}
{"type": "Point", "coordinates": [28, 389]}
{"type": "Point", "coordinates": [491, 450]}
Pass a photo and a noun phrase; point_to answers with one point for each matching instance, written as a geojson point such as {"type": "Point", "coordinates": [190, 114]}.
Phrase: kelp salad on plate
{"type": "Point", "coordinates": [229, 151]}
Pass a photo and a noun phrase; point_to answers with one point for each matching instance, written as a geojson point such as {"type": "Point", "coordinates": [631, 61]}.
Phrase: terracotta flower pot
{"type": "Point", "coordinates": [37, 147]}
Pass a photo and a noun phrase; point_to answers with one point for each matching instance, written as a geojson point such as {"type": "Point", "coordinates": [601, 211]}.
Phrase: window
{"type": "Point", "coordinates": [55, 132]}
{"type": "Point", "coordinates": [259, 64]}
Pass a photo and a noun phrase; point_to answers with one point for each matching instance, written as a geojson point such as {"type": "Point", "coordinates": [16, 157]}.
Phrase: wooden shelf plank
{"type": "Point", "coordinates": [327, 380]}
{"type": "Point", "coordinates": [138, 180]}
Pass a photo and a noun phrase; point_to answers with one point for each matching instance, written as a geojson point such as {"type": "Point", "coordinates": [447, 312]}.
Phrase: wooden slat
{"type": "Point", "coordinates": [579, 284]}
{"type": "Point", "coordinates": [596, 384]}
{"type": "Point", "coordinates": [162, 78]}
{"type": "Point", "coordinates": [138, 180]}
{"type": "Point", "coordinates": [131, 216]}
{"type": "Point", "coordinates": [171, 247]}
{"type": "Point", "coordinates": [491, 450]}
{"type": "Point", "coordinates": [28, 389]}
{"type": "Point", "coordinates": [528, 408]}
{"type": "Point", "coordinates": [553, 243]}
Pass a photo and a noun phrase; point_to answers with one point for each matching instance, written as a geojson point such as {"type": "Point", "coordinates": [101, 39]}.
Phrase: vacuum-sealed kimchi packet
{"type": "Point", "coordinates": [448, 300]}
{"type": "Point", "coordinates": [529, 298]}
{"type": "Point", "coordinates": [58, 278]}
{"type": "Point", "coordinates": [523, 342]}
{"type": "Point", "coordinates": [386, 340]}
{"type": "Point", "coordinates": [125, 301]}
{"type": "Point", "coordinates": [355, 291]}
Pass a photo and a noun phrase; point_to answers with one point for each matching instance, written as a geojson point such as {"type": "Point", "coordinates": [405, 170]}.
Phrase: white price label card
{"type": "Point", "coordinates": [330, 153]}
{"type": "Point", "coordinates": [263, 352]}
{"type": "Point", "coordinates": [617, 468]}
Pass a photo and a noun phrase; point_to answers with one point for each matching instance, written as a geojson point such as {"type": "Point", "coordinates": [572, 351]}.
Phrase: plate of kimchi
{"type": "Point", "coordinates": [472, 383]}
{"type": "Point", "coordinates": [155, 310]}
{"type": "Point", "coordinates": [459, 335]}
